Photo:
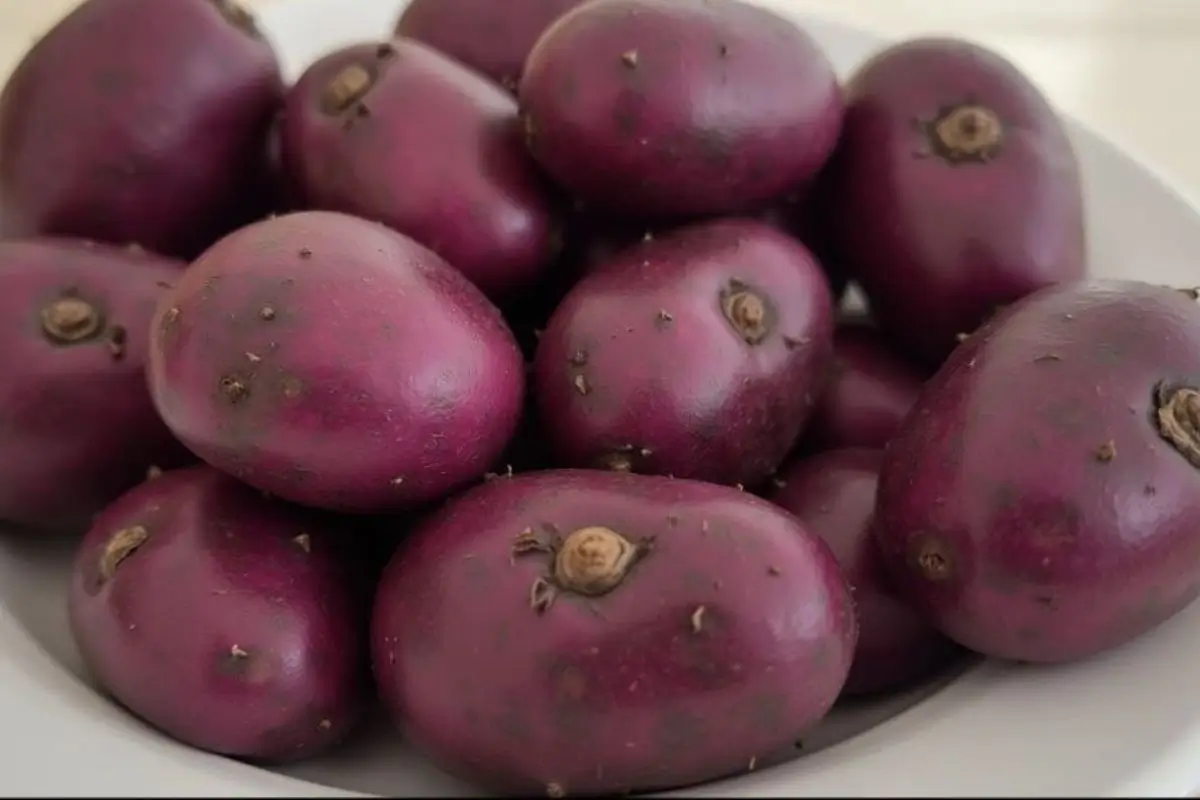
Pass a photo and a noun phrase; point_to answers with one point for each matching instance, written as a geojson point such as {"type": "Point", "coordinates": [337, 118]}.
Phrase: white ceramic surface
{"type": "Point", "coordinates": [1125, 724]}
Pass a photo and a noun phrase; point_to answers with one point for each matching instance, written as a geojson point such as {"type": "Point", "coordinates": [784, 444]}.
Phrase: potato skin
{"type": "Point", "coordinates": [79, 427]}
{"type": "Point", "coordinates": [937, 239]}
{"type": "Point", "coordinates": [335, 363]}
{"type": "Point", "coordinates": [1030, 506]}
{"type": "Point", "coordinates": [430, 149]}
{"type": "Point", "coordinates": [833, 494]}
{"type": "Point", "coordinates": [677, 108]}
{"type": "Point", "coordinates": [493, 38]}
{"type": "Point", "coordinates": [870, 390]}
{"type": "Point", "coordinates": [138, 121]}
{"type": "Point", "coordinates": [233, 626]}
{"type": "Point", "coordinates": [641, 366]}
{"type": "Point", "coordinates": [724, 643]}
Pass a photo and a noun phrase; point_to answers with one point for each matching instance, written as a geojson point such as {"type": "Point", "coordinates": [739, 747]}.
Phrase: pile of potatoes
{"type": "Point", "coordinates": [498, 371]}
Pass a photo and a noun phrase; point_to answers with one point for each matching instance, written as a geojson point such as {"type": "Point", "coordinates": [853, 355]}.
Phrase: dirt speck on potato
{"type": "Point", "coordinates": [120, 547]}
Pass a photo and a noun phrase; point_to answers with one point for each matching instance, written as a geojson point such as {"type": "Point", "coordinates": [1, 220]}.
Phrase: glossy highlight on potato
{"type": "Point", "coordinates": [337, 364]}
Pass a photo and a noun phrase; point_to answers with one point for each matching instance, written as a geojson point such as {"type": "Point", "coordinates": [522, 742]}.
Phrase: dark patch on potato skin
{"type": "Point", "coordinates": [628, 114]}
{"type": "Point", "coordinates": [310, 730]}
{"type": "Point", "coordinates": [716, 148]}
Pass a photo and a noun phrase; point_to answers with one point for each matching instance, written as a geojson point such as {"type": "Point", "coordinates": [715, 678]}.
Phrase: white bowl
{"type": "Point", "coordinates": [1124, 724]}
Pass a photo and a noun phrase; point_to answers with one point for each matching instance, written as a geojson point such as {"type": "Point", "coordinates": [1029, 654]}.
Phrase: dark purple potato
{"type": "Point", "coordinates": [603, 240]}
{"type": "Point", "coordinates": [284, 194]}
{"type": "Point", "coordinates": [401, 134]}
{"type": "Point", "coordinates": [139, 121]}
{"type": "Point", "coordinates": [1042, 501]}
{"type": "Point", "coordinates": [337, 364]}
{"type": "Point", "coordinates": [226, 620]}
{"type": "Point", "coordinates": [491, 36]}
{"type": "Point", "coordinates": [78, 425]}
{"type": "Point", "coordinates": [370, 542]}
{"type": "Point", "coordinates": [698, 354]}
{"type": "Point", "coordinates": [954, 191]}
{"type": "Point", "coordinates": [833, 494]}
{"type": "Point", "coordinates": [679, 108]}
{"type": "Point", "coordinates": [870, 390]}
{"type": "Point", "coordinates": [671, 631]}
{"type": "Point", "coordinates": [803, 215]}
{"type": "Point", "coordinates": [599, 240]}
{"type": "Point", "coordinates": [528, 450]}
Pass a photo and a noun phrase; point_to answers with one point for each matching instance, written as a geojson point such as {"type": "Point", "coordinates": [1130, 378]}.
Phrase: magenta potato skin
{"type": "Point", "coordinates": [640, 367]}
{"type": "Point", "coordinates": [598, 240]}
{"type": "Point", "coordinates": [147, 143]}
{"type": "Point", "coordinates": [869, 392]}
{"type": "Point", "coordinates": [493, 38]}
{"type": "Point", "coordinates": [833, 494]}
{"type": "Point", "coordinates": [937, 244]}
{"type": "Point", "coordinates": [433, 150]}
{"type": "Point", "coordinates": [233, 627]}
{"type": "Point", "coordinates": [679, 108]}
{"type": "Point", "coordinates": [724, 643]}
{"type": "Point", "coordinates": [79, 427]}
{"type": "Point", "coordinates": [303, 99]}
{"type": "Point", "coordinates": [1029, 507]}
{"type": "Point", "coordinates": [335, 363]}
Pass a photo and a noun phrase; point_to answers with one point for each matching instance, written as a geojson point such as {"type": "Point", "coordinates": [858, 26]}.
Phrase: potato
{"type": "Point", "coordinates": [401, 134]}
{"type": "Point", "coordinates": [698, 354]}
{"type": "Point", "coordinates": [139, 121]}
{"type": "Point", "coordinates": [679, 107]}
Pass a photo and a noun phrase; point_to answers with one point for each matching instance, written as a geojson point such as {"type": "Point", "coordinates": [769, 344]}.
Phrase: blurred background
{"type": "Point", "coordinates": [1126, 67]}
